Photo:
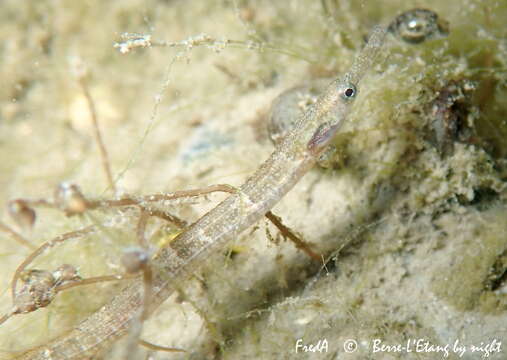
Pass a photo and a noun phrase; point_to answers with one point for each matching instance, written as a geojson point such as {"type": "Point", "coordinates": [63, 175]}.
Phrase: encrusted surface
{"type": "Point", "coordinates": [414, 206]}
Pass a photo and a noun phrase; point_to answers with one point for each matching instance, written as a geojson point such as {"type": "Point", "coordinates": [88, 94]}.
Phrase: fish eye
{"type": "Point", "coordinates": [349, 92]}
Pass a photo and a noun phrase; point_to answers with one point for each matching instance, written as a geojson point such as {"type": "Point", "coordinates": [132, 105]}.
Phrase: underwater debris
{"type": "Point", "coordinates": [70, 199]}
{"type": "Point", "coordinates": [448, 115]}
{"type": "Point", "coordinates": [22, 214]}
{"type": "Point", "coordinates": [131, 41]}
{"type": "Point", "coordinates": [38, 291]}
{"type": "Point", "coordinates": [497, 276]}
{"type": "Point", "coordinates": [418, 25]}
{"type": "Point", "coordinates": [41, 286]}
{"type": "Point", "coordinates": [134, 260]}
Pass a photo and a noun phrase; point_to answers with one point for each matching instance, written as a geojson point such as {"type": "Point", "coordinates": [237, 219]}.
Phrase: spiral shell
{"type": "Point", "coordinates": [418, 25]}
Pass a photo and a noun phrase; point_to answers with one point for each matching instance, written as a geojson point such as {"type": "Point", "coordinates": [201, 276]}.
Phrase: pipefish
{"type": "Point", "coordinates": [290, 161]}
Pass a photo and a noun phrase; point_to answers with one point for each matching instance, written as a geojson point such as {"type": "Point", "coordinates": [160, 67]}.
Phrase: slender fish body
{"type": "Point", "coordinates": [292, 158]}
